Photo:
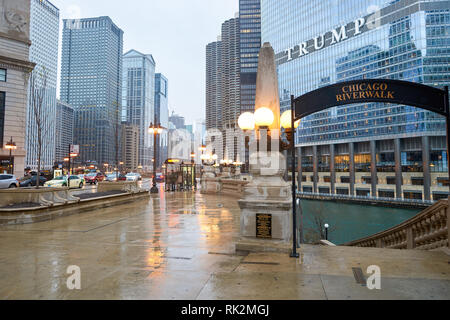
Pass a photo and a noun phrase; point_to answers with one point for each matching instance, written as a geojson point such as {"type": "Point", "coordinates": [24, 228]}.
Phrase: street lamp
{"type": "Point", "coordinates": [11, 145]}
{"type": "Point", "coordinates": [155, 129]}
{"type": "Point", "coordinates": [326, 230]}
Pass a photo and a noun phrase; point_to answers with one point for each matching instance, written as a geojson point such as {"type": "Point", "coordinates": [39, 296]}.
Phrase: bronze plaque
{"type": "Point", "coordinates": [264, 226]}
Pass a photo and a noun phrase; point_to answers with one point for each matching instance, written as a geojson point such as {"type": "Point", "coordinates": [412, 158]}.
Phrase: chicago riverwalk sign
{"type": "Point", "coordinates": [373, 90]}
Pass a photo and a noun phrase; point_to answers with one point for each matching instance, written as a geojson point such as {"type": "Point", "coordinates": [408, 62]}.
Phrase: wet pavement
{"type": "Point", "coordinates": [181, 246]}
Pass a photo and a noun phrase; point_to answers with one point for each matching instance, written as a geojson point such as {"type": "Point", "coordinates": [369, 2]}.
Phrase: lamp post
{"type": "Point", "coordinates": [246, 122]}
{"type": "Point", "coordinates": [155, 129]}
{"type": "Point", "coordinates": [326, 231]}
{"type": "Point", "coordinates": [11, 145]}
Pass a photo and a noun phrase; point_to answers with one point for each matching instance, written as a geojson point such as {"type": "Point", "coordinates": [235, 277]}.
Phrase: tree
{"type": "Point", "coordinates": [316, 230]}
{"type": "Point", "coordinates": [42, 121]}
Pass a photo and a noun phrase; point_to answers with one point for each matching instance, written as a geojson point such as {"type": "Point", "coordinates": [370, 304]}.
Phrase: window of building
{"type": "Point", "coordinates": [345, 179]}
{"type": "Point", "coordinates": [363, 192]}
{"type": "Point", "coordinates": [415, 195]}
{"type": "Point", "coordinates": [386, 193]}
{"type": "Point", "coordinates": [303, 178]}
{"type": "Point", "coordinates": [390, 180]}
{"type": "Point", "coordinates": [3, 75]}
{"type": "Point", "coordinates": [366, 180]}
{"type": "Point", "coordinates": [342, 191]}
{"type": "Point", "coordinates": [417, 181]}
{"type": "Point", "coordinates": [440, 195]}
{"type": "Point", "coordinates": [443, 182]}
{"type": "Point", "coordinates": [324, 190]}
{"type": "Point", "coordinates": [2, 116]}
{"type": "Point", "coordinates": [307, 189]}
{"type": "Point", "coordinates": [327, 179]}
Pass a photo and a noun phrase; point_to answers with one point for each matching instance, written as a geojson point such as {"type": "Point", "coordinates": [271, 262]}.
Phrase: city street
{"type": "Point", "coordinates": [181, 246]}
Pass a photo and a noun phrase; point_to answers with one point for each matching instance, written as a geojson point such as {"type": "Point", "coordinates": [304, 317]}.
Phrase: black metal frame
{"type": "Point", "coordinates": [411, 93]}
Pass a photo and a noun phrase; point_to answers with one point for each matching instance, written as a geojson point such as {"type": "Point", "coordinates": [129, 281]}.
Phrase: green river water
{"type": "Point", "coordinates": [351, 221]}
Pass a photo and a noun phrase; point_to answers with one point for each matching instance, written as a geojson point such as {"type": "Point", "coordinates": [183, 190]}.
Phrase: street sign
{"type": "Point", "coordinates": [74, 149]}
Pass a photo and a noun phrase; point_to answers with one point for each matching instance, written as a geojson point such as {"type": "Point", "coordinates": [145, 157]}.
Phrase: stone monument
{"type": "Point", "coordinates": [266, 205]}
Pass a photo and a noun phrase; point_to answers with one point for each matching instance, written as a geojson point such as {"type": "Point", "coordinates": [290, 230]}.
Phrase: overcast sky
{"type": "Point", "coordinates": [175, 32]}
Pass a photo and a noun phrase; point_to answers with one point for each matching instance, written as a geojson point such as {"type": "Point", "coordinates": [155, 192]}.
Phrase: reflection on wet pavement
{"type": "Point", "coordinates": [180, 246]}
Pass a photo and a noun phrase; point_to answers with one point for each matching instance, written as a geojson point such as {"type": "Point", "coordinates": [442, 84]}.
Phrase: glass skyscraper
{"type": "Point", "coordinates": [91, 80]}
{"type": "Point", "coordinates": [373, 149]}
{"type": "Point", "coordinates": [44, 36]}
{"type": "Point", "coordinates": [250, 43]}
{"type": "Point", "coordinates": [162, 115]}
{"type": "Point", "coordinates": [138, 100]}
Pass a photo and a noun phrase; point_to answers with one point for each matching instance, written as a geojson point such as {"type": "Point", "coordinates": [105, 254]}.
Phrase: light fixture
{"type": "Point", "coordinates": [214, 157]}
{"type": "Point", "coordinates": [286, 120]}
{"type": "Point", "coordinates": [246, 121]}
{"type": "Point", "coordinates": [264, 117]}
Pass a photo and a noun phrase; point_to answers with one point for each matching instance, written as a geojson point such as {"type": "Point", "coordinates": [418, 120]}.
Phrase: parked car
{"type": "Point", "coordinates": [133, 176]}
{"type": "Point", "coordinates": [31, 182]}
{"type": "Point", "coordinates": [159, 178]}
{"type": "Point", "coordinates": [94, 177]}
{"type": "Point", "coordinates": [113, 177]}
{"type": "Point", "coordinates": [8, 181]}
{"type": "Point", "coordinates": [61, 181]}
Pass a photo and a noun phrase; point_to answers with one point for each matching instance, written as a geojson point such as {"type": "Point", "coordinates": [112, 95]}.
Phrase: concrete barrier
{"type": "Point", "coordinates": [223, 186]}
{"type": "Point", "coordinates": [43, 196]}
{"type": "Point", "coordinates": [128, 186]}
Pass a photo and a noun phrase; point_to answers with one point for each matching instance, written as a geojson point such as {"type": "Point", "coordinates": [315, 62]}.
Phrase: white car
{"type": "Point", "coordinates": [8, 181]}
{"type": "Point", "coordinates": [133, 176]}
{"type": "Point", "coordinates": [61, 181]}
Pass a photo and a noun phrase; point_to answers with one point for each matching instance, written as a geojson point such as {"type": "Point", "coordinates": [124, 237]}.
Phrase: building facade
{"type": "Point", "coordinates": [64, 130]}
{"type": "Point", "coordinates": [130, 147]}
{"type": "Point", "coordinates": [162, 116]}
{"type": "Point", "coordinates": [138, 100]}
{"type": "Point", "coordinates": [14, 71]}
{"type": "Point", "coordinates": [44, 34]}
{"type": "Point", "coordinates": [250, 43]}
{"type": "Point", "coordinates": [372, 149]}
{"type": "Point", "coordinates": [91, 81]}
{"type": "Point", "coordinates": [213, 85]}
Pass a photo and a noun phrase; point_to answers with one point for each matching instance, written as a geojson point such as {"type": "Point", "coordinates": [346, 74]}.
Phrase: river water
{"type": "Point", "coordinates": [349, 221]}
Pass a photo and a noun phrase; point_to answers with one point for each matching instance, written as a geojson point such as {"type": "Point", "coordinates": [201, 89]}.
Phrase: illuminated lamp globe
{"type": "Point", "coordinates": [246, 121]}
{"type": "Point", "coordinates": [286, 120]}
{"type": "Point", "coordinates": [264, 117]}
{"type": "Point", "coordinates": [214, 157]}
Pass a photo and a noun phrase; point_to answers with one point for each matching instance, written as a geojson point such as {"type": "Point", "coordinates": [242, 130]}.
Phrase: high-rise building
{"type": "Point", "coordinates": [138, 100]}
{"type": "Point", "coordinates": [213, 85]}
{"type": "Point", "coordinates": [162, 115]}
{"type": "Point", "coordinates": [14, 68]}
{"type": "Point", "coordinates": [250, 43]}
{"type": "Point", "coordinates": [177, 120]}
{"type": "Point", "coordinates": [64, 130]}
{"type": "Point", "coordinates": [44, 35]}
{"type": "Point", "coordinates": [91, 80]}
{"type": "Point", "coordinates": [230, 72]}
{"type": "Point", "coordinates": [372, 149]}
{"type": "Point", "coordinates": [130, 147]}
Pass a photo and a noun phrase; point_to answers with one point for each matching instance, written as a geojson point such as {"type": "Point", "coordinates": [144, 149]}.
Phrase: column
{"type": "Point", "coordinates": [299, 168]}
{"type": "Point", "coordinates": [398, 169]}
{"type": "Point", "coordinates": [332, 170]}
{"type": "Point", "coordinates": [426, 167]}
{"type": "Point", "coordinates": [315, 169]}
{"type": "Point", "coordinates": [351, 152]}
{"type": "Point", "coordinates": [373, 167]}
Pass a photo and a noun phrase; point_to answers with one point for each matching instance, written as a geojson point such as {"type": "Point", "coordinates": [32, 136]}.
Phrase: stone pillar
{"type": "Point", "coordinates": [426, 167]}
{"type": "Point", "coordinates": [373, 167]}
{"type": "Point", "coordinates": [398, 169]}
{"type": "Point", "coordinates": [300, 169]}
{"type": "Point", "coordinates": [351, 152]}
{"type": "Point", "coordinates": [332, 170]}
{"type": "Point", "coordinates": [315, 170]}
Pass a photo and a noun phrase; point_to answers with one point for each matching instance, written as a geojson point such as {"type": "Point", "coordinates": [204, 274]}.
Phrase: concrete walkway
{"type": "Point", "coordinates": [180, 246]}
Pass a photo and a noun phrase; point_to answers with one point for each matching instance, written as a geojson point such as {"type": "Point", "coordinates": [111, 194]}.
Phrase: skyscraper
{"type": "Point", "coordinates": [91, 80]}
{"type": "Point", "coordinates": [230, 73]}
{"type": "Point", "coordinates": [213, 84]}
{"type": "Point", "coordinates": [162, 115]}
{"type": "Point", "coordinates": [64, 130]}
{"type": "Point", "coordinates": [250, 43]}
{"type": "Point", "coordinates": [138, 100]}
{"type": "Point", "coordinates": [372, 149]}
{"type": "Point", "coordinates": [44, 35]}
